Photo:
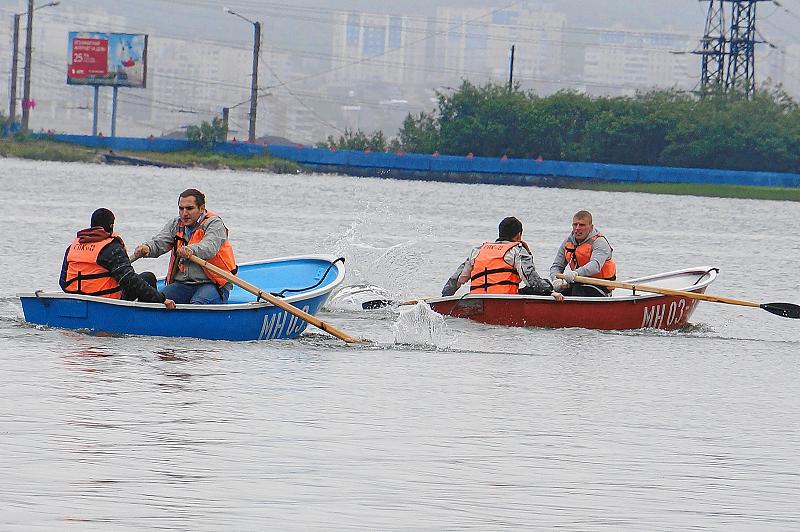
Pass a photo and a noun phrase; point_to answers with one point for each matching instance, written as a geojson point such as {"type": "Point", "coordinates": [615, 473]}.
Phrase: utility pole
{"type": "Point", "coordinates": [741, 57]}
{"type": "Point", "coordinates": [511, 70]}
{"type": "Point", "coordinates": [12, 95]}
{"type": "Point", "coordinates": [251, 136]}
{"type": "Point", "coordinates": [26, 84]}
{"type": "Point", "coordinates": [729, 60]}
{"type": "Point", "coordinates": [225, 115]}
{"type": "Point", "coordinates": [712, 71]}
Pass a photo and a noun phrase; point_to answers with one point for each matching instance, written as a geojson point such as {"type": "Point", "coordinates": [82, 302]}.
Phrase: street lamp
{"type": "Point", "coordinates": [12, 105]}
{"type": "Point", "coordinates": [251, 136]}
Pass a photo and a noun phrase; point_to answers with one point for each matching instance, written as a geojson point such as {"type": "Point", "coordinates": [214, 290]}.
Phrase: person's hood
{"type": "Point", "coordinates": [93, 234]}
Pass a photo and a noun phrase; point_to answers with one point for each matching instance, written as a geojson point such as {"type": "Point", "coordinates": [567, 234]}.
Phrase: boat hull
{"type": "Point", "coordinates": [622, 311]}
{"type": "Point", "coordinates": [242, 319]}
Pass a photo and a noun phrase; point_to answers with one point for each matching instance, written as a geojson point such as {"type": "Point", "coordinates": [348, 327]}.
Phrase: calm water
{"type": "Point", "coordinates": [437, 424]}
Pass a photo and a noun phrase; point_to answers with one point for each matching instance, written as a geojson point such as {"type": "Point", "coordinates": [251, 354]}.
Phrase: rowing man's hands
{"type": "Point", "coordinates": [569, 276]}
{"type": "Point", "coordinates": [170, 304]}
{"type": "Point", "coordinates": [184, 252]}
{"type": "Point", "coordinates": [142, 250]}
{"type": "Point", "coordinates": [558, 296]}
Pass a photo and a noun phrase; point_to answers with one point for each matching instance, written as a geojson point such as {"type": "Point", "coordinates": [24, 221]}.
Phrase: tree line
{"type": "Point", "coordinates": [662, 127]}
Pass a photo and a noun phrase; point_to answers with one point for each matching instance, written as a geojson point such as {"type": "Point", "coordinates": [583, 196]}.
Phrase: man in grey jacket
{"type": "Point", "coordinates": [515, 262]}
{"type": "Point", "coordinates": [588, 254]}
{"type": "Point", "coordinates": [196, 231]}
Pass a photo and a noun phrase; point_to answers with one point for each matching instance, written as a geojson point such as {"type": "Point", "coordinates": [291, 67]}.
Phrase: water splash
{"type": "Point", "coordinates": [354, 296]}
{"type": "Point", "coordinates": [378, 267]}
{"type": "Point", "coordinates": [420, 325]}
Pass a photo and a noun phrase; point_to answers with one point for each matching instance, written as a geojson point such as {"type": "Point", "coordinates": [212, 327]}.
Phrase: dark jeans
{"type": "Point", "coordinates": [197, 294]}
{"type": "Point", "coordinates": [586, 290]}
{"type": "Point", "coordinates": [530, 291]}
{"type": "Point", "coordinates": [148, 277]}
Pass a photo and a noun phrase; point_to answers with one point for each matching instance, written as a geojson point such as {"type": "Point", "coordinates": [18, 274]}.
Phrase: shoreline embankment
{"type": "Point", "coordinates": [480, 170]}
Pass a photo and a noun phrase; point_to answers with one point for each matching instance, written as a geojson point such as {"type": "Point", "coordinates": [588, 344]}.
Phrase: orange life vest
{"type": "Point", "coordinates": [491, 274]}
{"type": "Point", "coordinates": [224, 258]}
{"type": "Point", "coordinates": [90, 278]}
{"type": "Point", "coordinates": [578, 256]}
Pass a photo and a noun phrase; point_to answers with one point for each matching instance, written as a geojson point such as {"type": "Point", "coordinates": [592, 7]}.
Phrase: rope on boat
{"type": "Point", "coordinates": [282, 292]}
{"type": "Point", "coordinates": [707, 272]}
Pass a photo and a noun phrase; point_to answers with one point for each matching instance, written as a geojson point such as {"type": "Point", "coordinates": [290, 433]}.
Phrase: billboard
{"type": "Point", "coordinates": [112, 59]}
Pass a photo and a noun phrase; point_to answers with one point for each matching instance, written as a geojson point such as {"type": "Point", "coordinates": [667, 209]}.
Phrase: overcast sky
{"type": "Point", "coordinates": [296, 21]}
{"type": "Point", "coordinates": [296, 27]}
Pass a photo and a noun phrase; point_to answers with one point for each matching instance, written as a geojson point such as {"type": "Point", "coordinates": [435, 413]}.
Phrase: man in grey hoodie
{"type": "Point", "coordinates": [195, 231]}
{"type": "Point", "coordinates": [588, 254]}
{"type": "Point", "coordinates": [498, 267]}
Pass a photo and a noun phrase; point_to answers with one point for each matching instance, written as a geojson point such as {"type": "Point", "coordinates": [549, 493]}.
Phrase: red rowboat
{"type": "Point", "coordinates": [623, 310]}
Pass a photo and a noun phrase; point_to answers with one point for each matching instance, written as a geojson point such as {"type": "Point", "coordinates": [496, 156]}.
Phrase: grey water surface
{"type": "Point", "coordinates": [434, 424]}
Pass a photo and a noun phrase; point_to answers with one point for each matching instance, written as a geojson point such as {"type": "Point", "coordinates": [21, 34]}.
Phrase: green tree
{"type": "Point", "coordinates": [731, 131]}
{"type": "Point", "coordinates": [356, 140]}
{"type": "Point", "coordinates": [420, 134]}
{"type": "Point", "coordinates": [207, 135]}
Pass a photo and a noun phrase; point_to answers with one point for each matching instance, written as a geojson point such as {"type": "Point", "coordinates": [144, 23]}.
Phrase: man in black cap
{"type": "Point", "coordinates": [498, 267]}
{"type": "Point", "coordinates": [97, 264]}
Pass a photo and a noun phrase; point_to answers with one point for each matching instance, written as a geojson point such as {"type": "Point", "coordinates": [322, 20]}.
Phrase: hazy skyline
{"type": "Point", "coordinates": [303, 31]}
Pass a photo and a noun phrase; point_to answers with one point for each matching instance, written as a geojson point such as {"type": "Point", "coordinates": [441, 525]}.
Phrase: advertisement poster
{"type": "Point", "coordinates": [111, 59]}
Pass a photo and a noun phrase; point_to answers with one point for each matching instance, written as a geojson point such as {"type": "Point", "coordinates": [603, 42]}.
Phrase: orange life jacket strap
{"type": "Point", "coordinates": [484, 273]}
{"type": "Point", "coordinates": [485, 287]}
{"type": "Point", "coordinates": [81, 277]}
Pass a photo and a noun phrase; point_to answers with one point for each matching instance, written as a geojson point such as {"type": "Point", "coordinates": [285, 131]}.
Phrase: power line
{"type": "Point", "coordinates": [313, 112]}
{"type": "Point", "coordinates": [393, 50]}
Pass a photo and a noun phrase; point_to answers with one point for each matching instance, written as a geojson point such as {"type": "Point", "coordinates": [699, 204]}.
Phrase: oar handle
{"type": "Point", "coordinates": [291, 309]}
{"type": "Point", "coordinates": [659, 290]}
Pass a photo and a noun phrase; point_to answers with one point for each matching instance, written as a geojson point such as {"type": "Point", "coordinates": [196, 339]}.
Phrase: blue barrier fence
{"type": "Point", "coordinates": [518, 171]}
{"type": "Point", "coordinates": [152, 144]}
{"type": "Point", "coordinates": [434, 167]}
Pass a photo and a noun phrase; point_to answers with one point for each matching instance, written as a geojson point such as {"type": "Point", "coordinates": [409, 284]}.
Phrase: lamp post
{"type": "Point", "coordinates": [251, 136]}
{"type": "Point", "coordinates": [26, 86]}
{"type": "Point", "coordinates": [12, 95]}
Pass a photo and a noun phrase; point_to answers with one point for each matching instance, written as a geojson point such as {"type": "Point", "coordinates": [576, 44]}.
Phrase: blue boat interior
{"type": "Point", "coordinates": [292, 277]}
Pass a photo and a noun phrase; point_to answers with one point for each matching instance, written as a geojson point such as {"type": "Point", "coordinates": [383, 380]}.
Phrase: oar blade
{"type": "Point", "coordinates": [786, 310]}
{"type": "Point", "coordinates": [375, 304]}
{"type": "Point", "coordinates": [382, 303]}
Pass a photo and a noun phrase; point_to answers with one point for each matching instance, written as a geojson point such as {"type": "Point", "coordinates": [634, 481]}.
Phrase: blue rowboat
{"type": "Point", "coordinates": [308, 282]}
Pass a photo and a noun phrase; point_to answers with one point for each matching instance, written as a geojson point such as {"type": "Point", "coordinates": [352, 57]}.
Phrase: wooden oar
{"type": "Point", "coordinates": [785, 310]}
{"type": "Point", "coordinates": [305, 316]}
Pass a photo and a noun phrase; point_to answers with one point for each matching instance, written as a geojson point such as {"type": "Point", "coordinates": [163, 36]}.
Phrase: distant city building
{"type": "Point", "coordinates": [778, 66]}
{"type": "Point", "coordinates": [790, 69]}
{"type": "Point", "coordinates": [620, 62]}
{"type": "Point", "coordinates": [191, 81]}
{"type": "Point", "coordinates": [378, 69]}
{"type": "Point", "coordinates": [373, 48]}
{"type": "Point", "coordinates": [475, 44]}
{"type": "Point", "coordinates": [387, 65]}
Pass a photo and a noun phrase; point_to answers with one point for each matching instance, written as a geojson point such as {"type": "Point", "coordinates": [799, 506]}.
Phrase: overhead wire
{"type": "Point", "coordinates": [425, 68]}
{"type": "Point", "coordinates": [392, 50]}
{"type": "Point", "coordinates": [301, 102]}
{"type": "Point", "coordinates": [379, 59]}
